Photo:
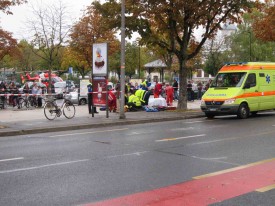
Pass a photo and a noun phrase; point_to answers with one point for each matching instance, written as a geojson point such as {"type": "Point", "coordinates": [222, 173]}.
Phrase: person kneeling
{"type": "Point", "coordinates": [134, 103]}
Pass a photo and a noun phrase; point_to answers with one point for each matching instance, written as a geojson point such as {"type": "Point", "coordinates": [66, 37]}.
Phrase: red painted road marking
{"type": "Point", "coordinates": [204, 191]}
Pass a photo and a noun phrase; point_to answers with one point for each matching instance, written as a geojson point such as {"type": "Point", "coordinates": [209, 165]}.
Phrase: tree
{"type": "Point", "coordinates": [216, 53]}
{"type": "Point", "coordinates": [8, 44]}
{"type": "Point", "coordinates": [264, 22]}
{"type": "Point", "coordinates": [5, 5]}
{"type": "Point", "coordinates": [74, 59]}
{"type": "Point", "coordinates": [171, 25]}
{"type": "Point", "coordinates": [89, 30]}
{"type": "Point", "coordinates": [50, 31]}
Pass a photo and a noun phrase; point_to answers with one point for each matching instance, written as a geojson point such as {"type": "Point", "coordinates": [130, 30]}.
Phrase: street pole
{"type": "Point", "coordinates": [139, 61]}
{"type": "Point", "coordinates": [122, 63]}
{"type": "Point", "coordinates": [250, 54]}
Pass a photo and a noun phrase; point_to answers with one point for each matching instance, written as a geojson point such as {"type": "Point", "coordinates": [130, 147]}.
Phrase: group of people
{"type": "Point", "coordinates": [12, 89]}
{"type": "Point", "coordinates": [199, 87]}
{"type": "Point", "coordinates": [137, 96]}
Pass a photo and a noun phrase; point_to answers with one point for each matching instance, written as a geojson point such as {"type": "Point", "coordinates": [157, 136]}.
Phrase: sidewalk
{"type": "Point", "coordinates": [18, 122]}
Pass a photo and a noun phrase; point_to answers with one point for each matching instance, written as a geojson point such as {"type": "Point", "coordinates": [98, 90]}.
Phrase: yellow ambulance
{"type": "Point", "coordinates": [241, 89]}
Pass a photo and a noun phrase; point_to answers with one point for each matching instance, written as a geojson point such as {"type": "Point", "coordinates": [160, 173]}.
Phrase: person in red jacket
{"type": "Point", "coordinates": [169, 90]}
{"type": "Point", "coordinates": [157, 90]}
{"type": "Point", "coordinates": [112, 101]}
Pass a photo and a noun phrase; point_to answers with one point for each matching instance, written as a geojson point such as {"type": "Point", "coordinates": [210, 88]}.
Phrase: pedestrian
{"type": "Point", "coordinates": [176, 87]}
{"type": "Point", "coordinates": [189, 91]}
{"type": "Point", "coordinates": [208, 84]}
{"type": "Point", "coordinates": [14, 91]}
{"type": "Point", "coordinates": [200, 86]}
{"type": "Point", "coordinates": [169, 90]}
{"type": "Point", "coordinates": [112, 104]}
{"type": "Point", "coordinates": [3, 89]}
{"type": "Point", "coordinates": [34, 93]}
{"type": "Point", "coordinates": [39, 96]}
{"type": "Point", "coordinates": [157, 90]}
{"type": "Point", "coordinates": [90, 96]}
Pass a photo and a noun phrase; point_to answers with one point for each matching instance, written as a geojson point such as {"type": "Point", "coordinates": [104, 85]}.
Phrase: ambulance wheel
{"type": "Point", "coordinates": [243, 111]}
{"type": "Point", "coordinates": [209, 115]}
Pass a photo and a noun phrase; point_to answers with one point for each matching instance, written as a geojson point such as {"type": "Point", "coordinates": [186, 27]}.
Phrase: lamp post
{"type": "Point", "coordinates": [139, 61]}
{"type": "Point", "coordinates": [250, 42]}
{"type": "Point", "coordinates": [122, 62]}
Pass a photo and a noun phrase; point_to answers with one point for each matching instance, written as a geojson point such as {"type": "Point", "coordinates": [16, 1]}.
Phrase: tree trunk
{"type": "Point", "coordinates": [182, 103]}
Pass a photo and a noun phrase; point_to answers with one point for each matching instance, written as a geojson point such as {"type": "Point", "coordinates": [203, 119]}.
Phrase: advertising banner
{"type": "Point", "coordinates": [99, 91]}
{"type": "Point", "coordinates": [100, 59]}
{"type": "Point", "coordinates": [83, 87]}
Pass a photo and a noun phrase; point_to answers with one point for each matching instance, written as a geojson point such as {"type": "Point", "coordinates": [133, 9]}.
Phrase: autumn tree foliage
{"type": "Point", "coordinates": [264, 23]}
{"type": "Point", "coordinates": [6, 4]}
{"type": "Point", "coordinates": [171, 25]}
{"type": "Point", "coordinates": [8, 44]}
{"type": "Point", "coordinates": [88, 30]}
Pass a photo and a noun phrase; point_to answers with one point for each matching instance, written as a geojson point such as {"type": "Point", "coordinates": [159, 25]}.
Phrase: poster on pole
{"type": "Point", "coordinates": [100, 59]}
{"type": "Point", "coordinates": [99, 91]}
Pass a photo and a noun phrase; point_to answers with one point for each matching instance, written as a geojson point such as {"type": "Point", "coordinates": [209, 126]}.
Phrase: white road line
{"type": "Point", "coordinates": [123, 155]}
{"type": "Point", "coordinates": [213, 141]}
{"type": "Point", "coordinates": [177, 138]}
{"type": "Point", "coordinates": [182, 129]}
{"type": "Point", "coordinates": [193, 122]}
{"type": "Point", "coordinates": [72, 134]}
{"type": "Point", "coordinates": [42, 166]}
{"type": "Point", "coordinates": [206, 158]}
{"type": "Point", "coordinates": [12, 159]}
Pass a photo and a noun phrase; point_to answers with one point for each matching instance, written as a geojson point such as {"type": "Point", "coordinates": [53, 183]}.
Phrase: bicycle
{"type": "Point", "coordinates": [23, 102]}
{"type": "Point", "coordinates": [3, 102]}
{"type": "Point", "coordinates": [52, 110]}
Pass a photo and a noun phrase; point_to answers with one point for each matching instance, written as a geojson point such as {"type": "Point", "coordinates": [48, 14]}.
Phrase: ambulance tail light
{"type": "Point", "coordinates": [229, 101]}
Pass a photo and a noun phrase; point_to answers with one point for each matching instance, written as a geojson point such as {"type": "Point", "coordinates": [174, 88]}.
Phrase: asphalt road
{"type": "Point", "coordinates": [87, 166]}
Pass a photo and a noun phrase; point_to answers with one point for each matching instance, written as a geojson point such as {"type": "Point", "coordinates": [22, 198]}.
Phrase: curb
{"type": "Point", "coordinates": [96, 125]}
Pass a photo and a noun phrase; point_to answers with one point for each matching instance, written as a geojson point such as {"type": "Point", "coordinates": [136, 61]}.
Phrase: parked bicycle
{"type": "Point", "coordinates": [52, 110]}
{"type": "Point", "coordinates": [23, 101]}
{"type": "Point", "coordinates": [3, 102]}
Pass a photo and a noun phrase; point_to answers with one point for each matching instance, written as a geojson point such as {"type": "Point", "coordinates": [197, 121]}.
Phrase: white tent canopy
{"type": "Point", "coordinates": [155, 64]}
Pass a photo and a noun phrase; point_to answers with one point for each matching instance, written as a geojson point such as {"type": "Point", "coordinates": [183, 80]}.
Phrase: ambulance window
{"type": "Point", "coordinates": [251, 80]}
{"type": "Point", "coordinates": [261, 75]}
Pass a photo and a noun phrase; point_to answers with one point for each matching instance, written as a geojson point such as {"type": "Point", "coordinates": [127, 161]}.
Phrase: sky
{"type": "Point", "coordinates": [15, 23]}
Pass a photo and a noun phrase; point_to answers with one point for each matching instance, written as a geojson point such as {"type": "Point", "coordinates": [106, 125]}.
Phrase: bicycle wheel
{"type": "Point", "coordinates": [21, 103]}
{"type": "Point", "coordinates": [50, 110]}
{"type": "Point", "coordinates": [69, 110]}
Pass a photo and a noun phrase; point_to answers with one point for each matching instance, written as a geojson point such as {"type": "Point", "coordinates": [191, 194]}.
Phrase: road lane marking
{"type": "Point", "coordinates": [182, 129]}
{"type": "Point", "coordinates": [193, 122]}
{"type": "Point", "coordinates": [42, 166]}
{"type": "Point", "coordinates": [178, 138]}
{"type": "Point", "coordinates": [267, 188]}
{"type": "Point", "coordinates": [213, 141]}
{"type": "Point", "coordinates": [72, 134]}
{"type": "Point", "coordinates": [12, 159]}
{"type": "Point", "coordinates": [123, 155]}
{"type": "Point", "coordinates": [234, 169]}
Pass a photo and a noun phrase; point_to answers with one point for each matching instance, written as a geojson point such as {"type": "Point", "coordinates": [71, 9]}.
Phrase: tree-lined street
{"type": "Point", "coordinates": [85, 166]}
